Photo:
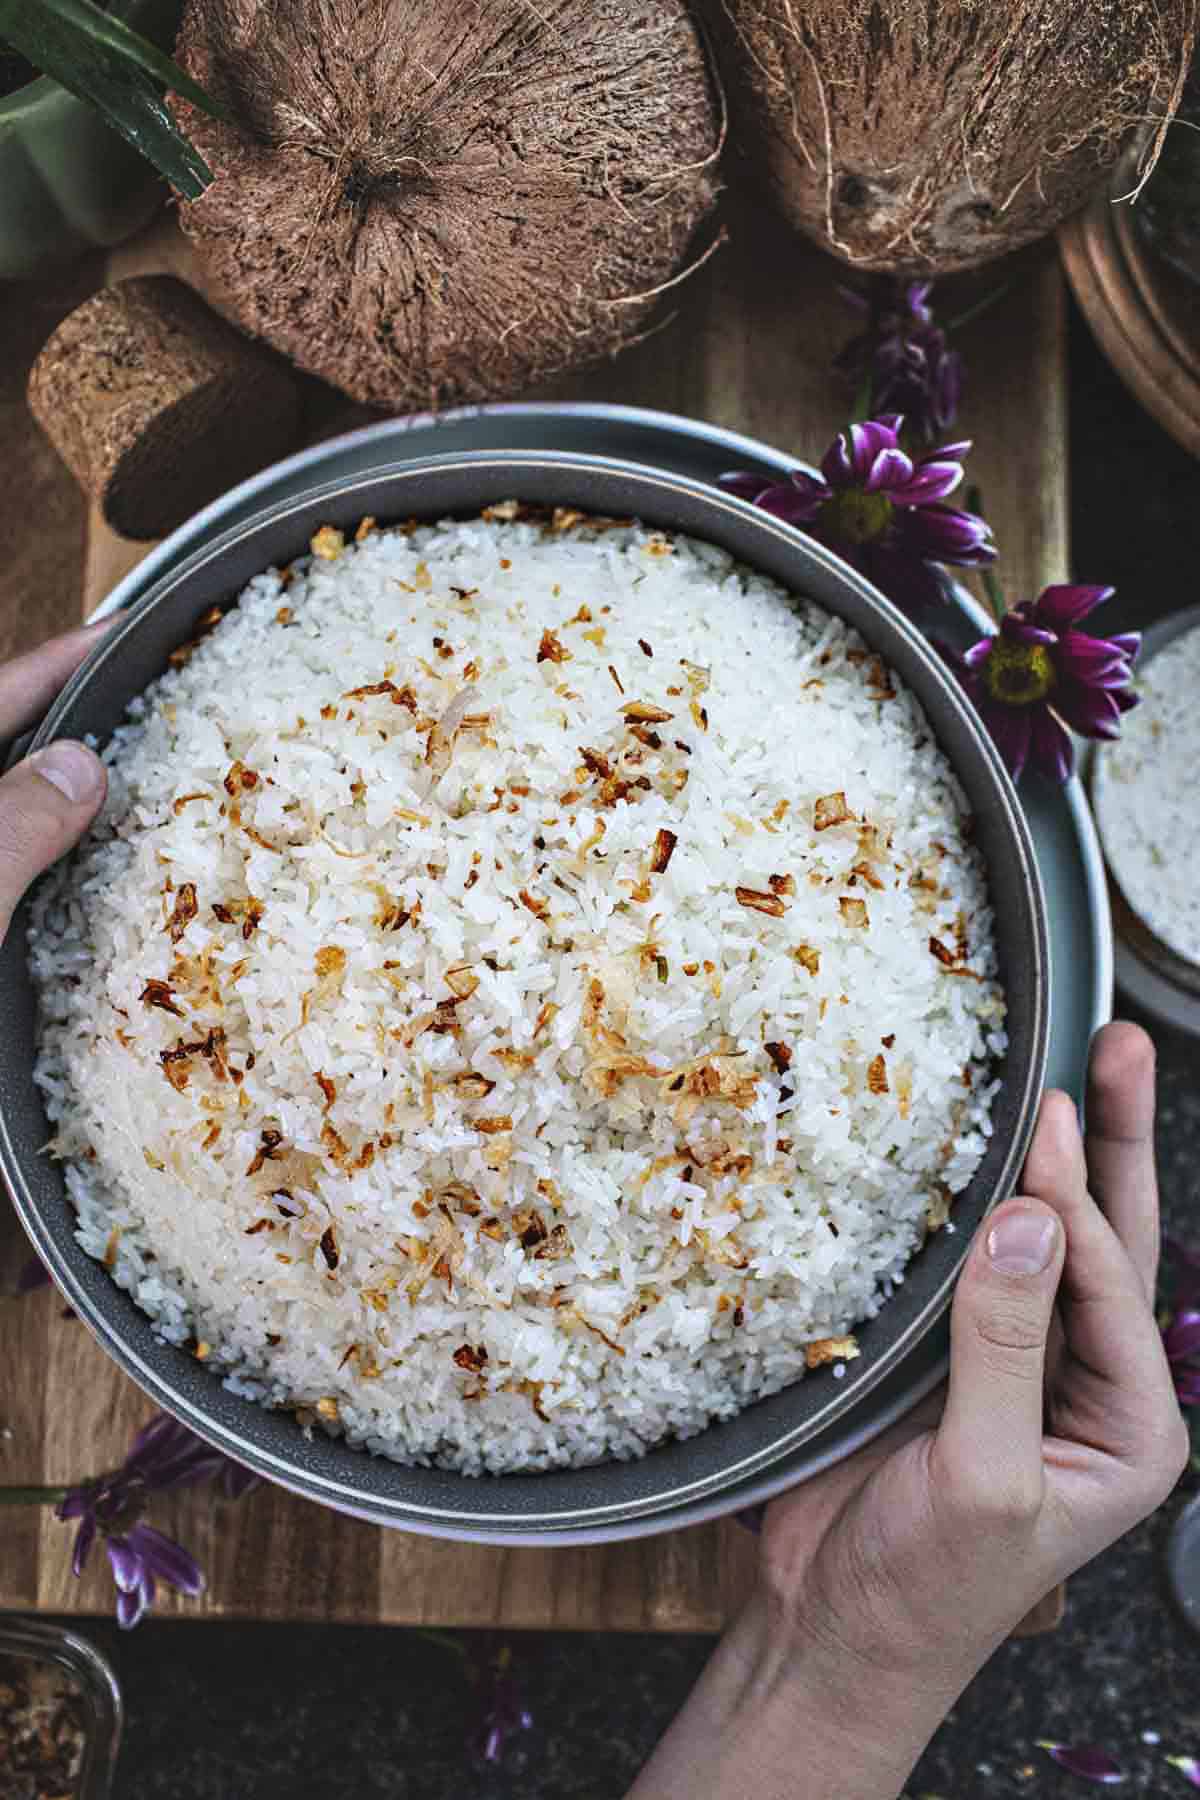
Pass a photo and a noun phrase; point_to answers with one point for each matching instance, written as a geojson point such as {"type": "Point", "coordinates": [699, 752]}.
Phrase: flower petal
{"type": "Point", "coordinates": [932, 481]}
{"type": "Point", "coordinates": [1188, 1767]}
{"type": "Point", "coordinates": [943, 534]}
{"type": "Point", "coordinates": [743, 483]}
{"type": "Point", "coordinates": [1010, 727]}
{"type": "Point", "coordinates": [1050, 746]}
{"type": "Point", "coordinates": [77, 1503]}
{"type": "Point", "coordinates": [1129, 643]}
{"type": "Point", "coordinates": [1091, 711]}
{"type": "Point", "coordinates": [168, 1560]}
{"type": "Point", "coordinates": [1089, 658]}
{"type": "Point", "coordinates": [1087, 1760]}
{"type": "Point", "coordinates": [891, 472]}
{"type": "Point", "coordinates": [85, 1537]}
{"type": "Point", "coordinates": [131, 1608]}
{"type": "Point", "coordinates": [978, 654]}
{"type": "Point", "coordinates": [1065, 603]}
{"type": "Point", "coordinates": [126, 1563]}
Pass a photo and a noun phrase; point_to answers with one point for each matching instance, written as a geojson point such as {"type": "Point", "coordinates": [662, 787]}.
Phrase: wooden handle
{"type": "Point", "coordinates": [156, 405]}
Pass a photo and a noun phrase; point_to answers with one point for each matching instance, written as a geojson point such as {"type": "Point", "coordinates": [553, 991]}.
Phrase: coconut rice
{"type": "Point", "coordinates": [528, 994]}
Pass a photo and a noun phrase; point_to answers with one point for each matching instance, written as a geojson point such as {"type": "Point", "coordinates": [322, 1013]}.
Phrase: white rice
{"type": "Point", "coordinates": [663, 1223]}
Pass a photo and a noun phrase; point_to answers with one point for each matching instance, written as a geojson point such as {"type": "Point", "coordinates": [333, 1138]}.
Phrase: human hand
{"type": "Point", "coordinates": [888, 1581]}
{"type": "Point", "coordinates": [48, 800]}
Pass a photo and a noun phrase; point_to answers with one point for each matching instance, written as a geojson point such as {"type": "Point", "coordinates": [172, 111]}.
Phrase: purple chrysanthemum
{"type": "Point", "coordinates": [880, 509]}
{"type": "Point", "coordinates": [1038, 674]}
{"type": "Point", "coordinates": [902, 353]}
{"type": "Point", "coordinates": [165, 1454]}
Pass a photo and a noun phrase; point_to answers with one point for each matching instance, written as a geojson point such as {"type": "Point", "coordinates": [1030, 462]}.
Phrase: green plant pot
{"type": "Point", "coordinates": [68, 182]}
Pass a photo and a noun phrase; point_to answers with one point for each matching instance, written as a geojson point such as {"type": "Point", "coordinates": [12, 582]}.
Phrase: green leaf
{"type": "Point", "coordinates": [112, 34]}
{"type": "Point", "coordinates": [121, 90]}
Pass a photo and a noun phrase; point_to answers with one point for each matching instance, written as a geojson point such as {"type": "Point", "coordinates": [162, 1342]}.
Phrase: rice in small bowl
{"type": "Point", "coordinates": [530, 992]}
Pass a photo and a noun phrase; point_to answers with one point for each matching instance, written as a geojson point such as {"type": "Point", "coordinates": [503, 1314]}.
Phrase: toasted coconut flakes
{"type": "Point", "coordinates": [239, 779]}
{"type": "Point", "coordinates": [877, 1081]}
{"type": "Point", "coordinates": [493, 1125]}
{"type": "Point", "coordinates": [152, 1161]}
{"type": "Point", "coordinates": [334, 1145]}
{"type": "Point", "coordinates": [643, 712]}
{"type": "Point", "coordinates": [644, 647]}
{"type": "Point", "coordinates": [329, 1247]}
{"type": "Point", "coordinates": [366, 526]}
{"type": "Point", "coordinates": [866, 873]}
{"type": "Point", "coordinates": [183, 911]}
{"type": "Point", "coordinates": [472, 1087]}
{"type": "Point", "coordinates": [330, 960]}
{"type": "Point", "coordinates": [502, 513]}
{"type": "Point", "coordinates": [202, 1351]}
{"type": "Point", "coordinates": [937, 1213]}
{"type": "Point", "coordinates": [616, 678]}
{"type": "Point", "coordinates": [880, 681]}
{"type": "Point", "coordinates": [552, 649]}
{"type": "Point", "coordinates": [597, 1332]}
{"type": "Point", "coordinates": [854, 912]}
{"type": "Point", "coordinates": [268, 1150]}
{"type": "Point", "coordinates": [664, 848]}
{"type": "Point", "coordinates": [210, 1137]}
{"type": "Point", "coordinates": [159, 994]}
{"type": "Point", "coordinates": [544, 1017]}
{"type": "Point", "coordinates": [327, 543]}
{"type": "Point", "coordinates": [183, 800]}
{"type": "Point", "coordinates": [780, 1055]}
{"type": "Point", "coordinates": [539, 908]}
{"type": "Point", "coordinates": [946, 957]}
{"type": "Point", "coordinates": [830, 1350]}
{"type": "Point", "coordinates": [461, 981]}
{"type": "Point", "coordinates": [402, 696]}
{"type": "Point", "coordinates": [471, 1358]}
{"type": "Point", "coordinates": [831, 809]}
{"type": "Point", "coordinates": [699, 715]}
{"type": "Point", "coordinates": [781, 884]}
{"type": "Point", "coordinates": [327, 1407]}
{"type": "Point", "coordinates": [808, 958]}
{"type": "Point", "coordinates": [252, 917]}
{"type": "Point", "coordinates": [327, 1087]}
{"type": "Point", "coordinates": [259, 1225]}
{"type": "Point", "coordinates": [758, 901]}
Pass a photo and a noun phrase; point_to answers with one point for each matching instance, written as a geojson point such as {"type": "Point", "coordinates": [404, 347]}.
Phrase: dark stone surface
{"type": "Point", "coordinates": [253, 1712]}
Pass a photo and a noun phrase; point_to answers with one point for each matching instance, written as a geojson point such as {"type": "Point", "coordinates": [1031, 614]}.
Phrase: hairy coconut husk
{"type": "Point", "coordinates": [928, 137]}
{"type": "Point", "coordinates": [426, 203]}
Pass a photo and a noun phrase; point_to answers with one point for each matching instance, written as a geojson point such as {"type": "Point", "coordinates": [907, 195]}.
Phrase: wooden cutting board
{"type": "Point", "coordinates": [747, 345]}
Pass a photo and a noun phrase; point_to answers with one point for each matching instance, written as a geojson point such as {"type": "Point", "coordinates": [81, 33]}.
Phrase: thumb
{"type": "Point", "coordinates": [990, 1439]}
{"type": "Point", "coordinates": [46, 803]}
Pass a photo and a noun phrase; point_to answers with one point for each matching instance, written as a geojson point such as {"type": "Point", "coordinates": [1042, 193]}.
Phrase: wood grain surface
{"type": "Point", "coordinates": [748, 345]}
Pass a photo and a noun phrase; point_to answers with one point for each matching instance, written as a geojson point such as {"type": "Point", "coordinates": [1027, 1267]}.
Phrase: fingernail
{"type": "Point", "coordinates": [1022, 1243]}
{"type": "Point", "coordinates": [71, 768]}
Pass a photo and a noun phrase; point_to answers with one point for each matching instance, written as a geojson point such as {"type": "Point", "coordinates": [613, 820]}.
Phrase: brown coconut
{"type": "Point", "coordinates": [426, 203]}
{"type": "Point", "coordinates": [929, 137]}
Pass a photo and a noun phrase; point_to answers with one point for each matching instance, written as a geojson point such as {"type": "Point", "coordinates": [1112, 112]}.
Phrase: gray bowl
{"type": "Point", "coordinates": [675, 1473]}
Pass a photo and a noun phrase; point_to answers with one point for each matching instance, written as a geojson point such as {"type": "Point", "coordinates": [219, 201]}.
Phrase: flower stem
{"type": "Point", "coordinates": [980, 306]}
{"type": "Point", "coordinates": [33, 1496]}
{"type": "Point", "coordinates": [862, 399]}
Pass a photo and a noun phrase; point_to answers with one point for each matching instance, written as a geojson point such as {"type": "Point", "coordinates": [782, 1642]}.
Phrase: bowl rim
{"type": "Point", "coordinates": [347, 1495]}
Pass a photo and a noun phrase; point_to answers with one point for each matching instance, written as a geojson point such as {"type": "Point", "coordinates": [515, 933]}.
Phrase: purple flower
{"type": "Point", "coordinates": [1037, 675]}
{"type": "Point", "coordinates": [1085, 1760]}
{"type": "Point", "coordinates": [880, 509]}
{"type": "Point", "coordinates": [503, 1711]}
{"type": "Point", "coordinates": [165, 1454]}
{"type": "Point", "coordinates": [902, 354]}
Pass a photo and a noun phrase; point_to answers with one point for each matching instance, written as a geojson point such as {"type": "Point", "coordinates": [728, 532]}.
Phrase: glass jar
{"type": "Point", "coordinates": [53, 1654]}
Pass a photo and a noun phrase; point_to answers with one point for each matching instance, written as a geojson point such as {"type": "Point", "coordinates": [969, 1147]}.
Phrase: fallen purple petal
{"type": "Point", "coordinates": [166, 1560]}
{"type": "Point", "coordinates": [1085, 1760]}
